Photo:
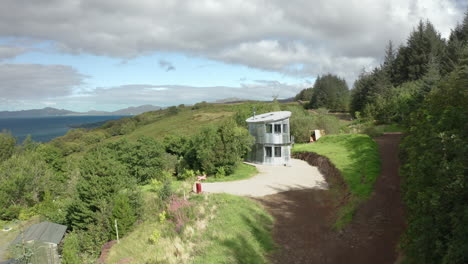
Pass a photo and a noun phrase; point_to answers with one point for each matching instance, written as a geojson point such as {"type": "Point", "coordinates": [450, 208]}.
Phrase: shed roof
{"type": "Point", "coordinates": [269, 117]}
{"type": "Point", "coordinates": [46, 232]}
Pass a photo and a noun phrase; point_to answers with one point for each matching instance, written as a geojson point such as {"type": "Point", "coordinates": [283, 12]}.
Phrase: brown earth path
{"type": "Point", "coordinates": [303, 220]}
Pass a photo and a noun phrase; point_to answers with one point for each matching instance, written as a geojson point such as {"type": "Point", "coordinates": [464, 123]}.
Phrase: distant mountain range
{"type": "Point", "coordinates": [49, 111]}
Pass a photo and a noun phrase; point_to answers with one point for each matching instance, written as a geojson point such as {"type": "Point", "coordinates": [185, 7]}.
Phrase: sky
{"type": "Point", "coordinates": [106, 55]}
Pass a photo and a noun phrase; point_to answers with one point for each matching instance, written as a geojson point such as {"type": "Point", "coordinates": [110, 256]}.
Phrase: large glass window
{"type": "Point", "coordinates": [285, 128]}
{"type": "Point", "coordinates": [277, 128]}
{"type": "Point", "coordinates": [277, 151]}
{"type": "Point", "coordinates": [269, 128]}
{"type": "Point", "coordinates": [268, 152]}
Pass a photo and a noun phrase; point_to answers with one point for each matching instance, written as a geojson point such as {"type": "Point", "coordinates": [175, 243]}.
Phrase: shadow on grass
{"type": "Point", "coordinates": [365, 168]}
{"type": "Point", "coordinates": [252, 250]}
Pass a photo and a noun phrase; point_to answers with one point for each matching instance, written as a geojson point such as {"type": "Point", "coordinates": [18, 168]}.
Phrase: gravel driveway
{"type": "Point", "coordinates": [271, 180]}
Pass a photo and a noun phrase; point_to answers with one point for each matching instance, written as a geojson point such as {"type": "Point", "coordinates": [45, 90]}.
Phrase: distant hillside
{"type": "Point", "coordinates": [49, 111]}
{"type": "Point", "coordinates": [136, 110]}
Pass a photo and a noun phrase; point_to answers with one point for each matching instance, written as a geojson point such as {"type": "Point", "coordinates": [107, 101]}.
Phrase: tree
{"type": "Point", "coordinates": [7, 145]}
{"type": "Point", "coordinates": [304, 95]}
{"type": "Point", "coordinates": [216, 147]}
{"type": "Point", "coordinates": [330, 92]}
{"type": "Point", "coordinates": [435, 193]}
{"type": "Point", "coordinates": [101, 178]}
{"type": "Point", "coordinates": [71, 249]}
{"type": "Point", "coordinates": [124, 213]}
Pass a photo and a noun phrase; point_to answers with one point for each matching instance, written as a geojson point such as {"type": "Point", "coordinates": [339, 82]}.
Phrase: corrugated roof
{"type": "Point", "coordinates": [269, 117]}
{"type": "Point", "coordinates": [46, 232]}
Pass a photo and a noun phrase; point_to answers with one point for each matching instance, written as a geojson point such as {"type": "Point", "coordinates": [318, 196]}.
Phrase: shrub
{"type": "Point", "coordinates": [186, 174]}
{"type": "Point", "coordinates": [71, 249]}
{"type": "Point", "coordinates": [179, 211]}
{"type": "Point", "coordinates": [155, 236]}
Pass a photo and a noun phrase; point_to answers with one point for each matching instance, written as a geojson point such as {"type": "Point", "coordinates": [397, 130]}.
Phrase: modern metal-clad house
{"type": "Point", "coordinates": [272, 138]}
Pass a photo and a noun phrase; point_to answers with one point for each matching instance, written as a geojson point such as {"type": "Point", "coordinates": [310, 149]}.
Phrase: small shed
{"type": "Point", "coordinates": [42, 240]}
{"type": "Point", "coordinates": [272, 138]}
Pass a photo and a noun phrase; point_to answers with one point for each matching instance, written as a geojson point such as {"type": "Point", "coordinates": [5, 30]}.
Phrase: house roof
{"type": "Point", "coordinates": [269, 117]}
{"type": "Point", "coordinates": [45, 232]}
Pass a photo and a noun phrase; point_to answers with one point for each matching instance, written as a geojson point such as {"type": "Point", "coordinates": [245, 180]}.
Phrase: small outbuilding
{"type": "Point", "coordinates": [42, 240]}
{"type": "Point", "coordinates": [272, 138]}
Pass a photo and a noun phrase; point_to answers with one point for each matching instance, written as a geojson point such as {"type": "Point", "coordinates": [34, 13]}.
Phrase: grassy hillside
{"type": "Point", "coordinates": [357, 158]}
{"type": "Point", "coordinates": [220, 228]}
{"type": "Point", "coordinates": [186, 122]}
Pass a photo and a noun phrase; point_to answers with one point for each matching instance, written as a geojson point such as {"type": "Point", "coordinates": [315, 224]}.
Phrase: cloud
{"type": "Point", "coordinates": [296, 37]}
{"type": "Point", "coordinates": [34, 81]}
{"type": "Point", "coordinates": [167, 66]}
{"type": "Point", "coordinates": [8, 52]}
{"type": "Point", "coordinates": [166, 95]}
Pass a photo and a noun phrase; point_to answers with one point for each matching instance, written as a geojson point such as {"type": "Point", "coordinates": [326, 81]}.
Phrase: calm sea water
{"type": "Point", "coordinates": [43, 129]}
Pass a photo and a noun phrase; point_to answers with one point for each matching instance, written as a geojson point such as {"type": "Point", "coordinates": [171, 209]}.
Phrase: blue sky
{"type": "Point", "coordinates": [105, 55]}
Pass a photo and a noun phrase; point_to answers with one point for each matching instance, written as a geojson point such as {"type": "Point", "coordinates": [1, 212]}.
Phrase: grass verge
{"type": "Point", "coordinates": [356, 156]}
{"type": "Point", "coordinates": [242, 172]}
{"type": "Point", "coordinates": [222, 229]}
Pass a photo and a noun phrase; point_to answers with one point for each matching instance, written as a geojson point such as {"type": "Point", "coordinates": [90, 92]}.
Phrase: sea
{"type": "Point", "coordinates": [44, 129]}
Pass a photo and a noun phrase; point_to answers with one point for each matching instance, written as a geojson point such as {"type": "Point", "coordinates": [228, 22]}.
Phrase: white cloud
{"type": "Point", "coordinates": [310, 37]}
{"type": "Point", "coordinates": [34, 81]}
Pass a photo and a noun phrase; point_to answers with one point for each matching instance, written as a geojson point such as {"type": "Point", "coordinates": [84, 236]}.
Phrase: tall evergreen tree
{"type": "Point", "coordinates": [330, 92]}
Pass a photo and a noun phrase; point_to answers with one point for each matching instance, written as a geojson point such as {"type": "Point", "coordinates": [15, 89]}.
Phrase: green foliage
{"type": "Point", "coordinates": [52, 156]}
{"type": "Point", "coordinates": [222, 146]}
{"type": "Point", "coordinates": [71, 249]}
{"type": "Point", "coordinates": [200, 105]}
{"type": "Point", "coordinates": [166, 190]}
{"type": "Point", "coordinates": [331, 92]}
{"type": "Point", "coordinates": [186, 174]}
{"type": "Point", "coordinates": [173, 110]}
{"type": "Point", "coordinates": [304, 95]}
{"type": "Point", "coordinates": [435, 192]}
{"type": "Point", "coordinates": [102, 177]}
{"type": "Point", "coordinates": [24, 178]}
{"type": "Point", "coordinates": [7, 145]}
{"type": "Point", "coordinates": [124, 212]}
{"type": "Point", "coordinates": [144, 159]}
{"type": "Point", "coordinates": [220, 172]}
{"type": "Point", "coordinates": [155, 236]}
{"type": "Point", "coordinates": [241, 172]}
{"type": "Point", "coordinates": [176, 145]}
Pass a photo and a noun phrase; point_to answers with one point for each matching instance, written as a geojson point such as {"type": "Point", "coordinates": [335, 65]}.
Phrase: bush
{"type": "Point", "coordinates": [71, 249]}
{"type": "Point", "coordinates": [186, 174]}
{"type": "Point", "coordinates": [220, 172]}
{"type": "Point", "coordinates": [7, 145]}
{"type": "Point", "coordinates": [166, 190]}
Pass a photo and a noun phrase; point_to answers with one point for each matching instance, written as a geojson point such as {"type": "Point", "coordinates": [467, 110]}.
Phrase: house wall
{"type": "Point", "coordinates": [273, 139]}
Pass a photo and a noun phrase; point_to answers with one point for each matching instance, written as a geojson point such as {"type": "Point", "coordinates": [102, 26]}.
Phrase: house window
{"type": "Point", "coordinates": [277, 151]}
{"type": "Point", "coordinates": [277, 128]}
{"type": "Point", "coordinates": [285, 128]}
{"type": "Point", "coordinates": [268, 152]}
{"type": "Point", "coordinates": [269, 128]}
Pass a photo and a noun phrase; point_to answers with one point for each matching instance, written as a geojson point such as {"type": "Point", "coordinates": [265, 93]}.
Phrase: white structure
{"type": "Point", "coordinates": [272, 138]}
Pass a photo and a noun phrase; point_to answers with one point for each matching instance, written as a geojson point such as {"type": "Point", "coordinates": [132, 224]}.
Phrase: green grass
{"type": "Point", "coordinates": [240, 232]}
{"type": "Point", "coordinates": [390, 128]}
{"type": "Point", "coordinates": [186, 122]}
{"type": "Point", "coordinates": [356, 156]}
{"type": "Point", "coordinates": [242, 172]}
{"type": "Point", "coordinates": [224, 229]}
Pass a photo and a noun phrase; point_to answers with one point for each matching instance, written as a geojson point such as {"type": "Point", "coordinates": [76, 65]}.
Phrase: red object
{"type": "Point", "coordinates": [199, 190]}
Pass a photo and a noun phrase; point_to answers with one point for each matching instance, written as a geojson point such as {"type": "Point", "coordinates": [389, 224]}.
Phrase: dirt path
{"type": "Point", "coordinates": [303, 220]}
